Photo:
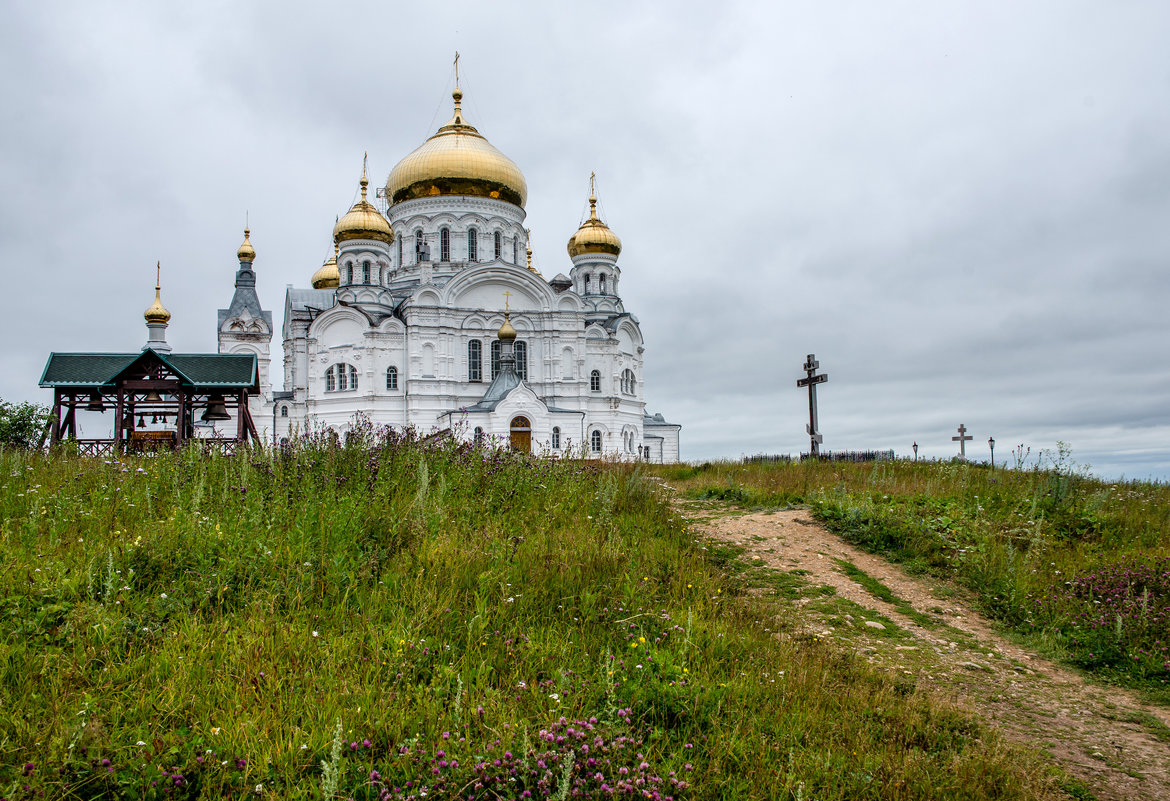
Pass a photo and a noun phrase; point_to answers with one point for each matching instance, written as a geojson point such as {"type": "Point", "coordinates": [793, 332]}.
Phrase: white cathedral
{"type": "Point", "coordinates": [431, 315]}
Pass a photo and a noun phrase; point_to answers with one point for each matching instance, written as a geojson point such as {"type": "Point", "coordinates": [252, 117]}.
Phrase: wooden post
{"type": "Point", "coordinates": [241, 411]}
{"type": "Point", "coordinates": [118, 422]}
{"type": "Point", "coordinates": [55, 431]}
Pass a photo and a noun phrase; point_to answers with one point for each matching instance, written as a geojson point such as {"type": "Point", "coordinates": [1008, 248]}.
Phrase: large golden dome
{"type": "Point", "coordinates": [457, 160]}
{"type": "Point", "coordinates": [363, 221]}
{"type": "Point", "coordinates": [328, 276]}
{"type": "Point", "coordinates": [594, 236]}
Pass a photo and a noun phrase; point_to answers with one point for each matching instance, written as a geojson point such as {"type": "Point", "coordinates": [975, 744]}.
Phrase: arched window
{"type": "Point", "coordinates": [399, 251]}
{"type": "Point", "coordinates": [495, 357]}
{"type": "Point", "coordinates": [556, 438]}
{"type": "Point", "coordinates": [601, 283]}
{"type": "Point", "coordinates": [474, 360]}
{"type": "Point", "coordinates": [444, 244]}
{"type": "Point", "coordinates": [284, 411]}
{"type": "Point", "coordinates": [391, 377]}
{"type": "Point", "coordinates": [521, 353]}
{"type": "Point", "coordinates": [352, 377]}
{"type": "Point", "coordinates": [513, 250]}
{"type": "Point", "coordinates": [478, 435]}
{"type": "Point", "coordinates": [496, 238]}
{"type": "Point", "coordinates": [595, 441]}
{"type": "Point", "coordinates": [418, 246]}
{"type": "Point", "coordinates": [586, 283]}
{"type": "Point", "coordinates": [330, 380]}
{"type": "Point", "coordinates": [628, 382]}
{"type": "Point", "coordinates": [595, 381]}
{"type": "Point", "coordinates": [472, 244]}
{"type": "Point", "coordinates": [365, 272]}
{"type": "Point", "coordinates": [342, 379]}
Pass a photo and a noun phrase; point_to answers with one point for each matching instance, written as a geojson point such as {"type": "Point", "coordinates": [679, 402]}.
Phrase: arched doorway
{"type": "Point", "coordinates": [521, 434]}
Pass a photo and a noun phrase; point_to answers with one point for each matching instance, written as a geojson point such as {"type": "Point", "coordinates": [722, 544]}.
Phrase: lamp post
{"type": "Point", "coordinates": [991, 444]}
{"type": "Point", "coordinates": [915, 447]}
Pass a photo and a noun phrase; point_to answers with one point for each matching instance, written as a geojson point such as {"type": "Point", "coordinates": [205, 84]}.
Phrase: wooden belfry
{"type": "Point", "coordinates": [811, 380]}
{"type": "Point", "coordinates": [155, 399]}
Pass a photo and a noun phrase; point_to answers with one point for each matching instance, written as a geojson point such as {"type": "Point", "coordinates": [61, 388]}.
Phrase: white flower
{"type": "Point", "coordinates": [140, 743]}
{"type": "Point", "coordinates": [315, 634]}
{"type": "Point", "coordinates": [259, 789]}
{"type": "Point", "coordinates": [554, 696]}
{"type": "Point", "coordinates": [163, 596]}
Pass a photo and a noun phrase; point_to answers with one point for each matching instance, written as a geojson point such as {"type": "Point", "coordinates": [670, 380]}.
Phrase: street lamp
{"type": "Point", "coordinates": [915, 447]}
{"type": "Point", "coordinates": [991, 444]}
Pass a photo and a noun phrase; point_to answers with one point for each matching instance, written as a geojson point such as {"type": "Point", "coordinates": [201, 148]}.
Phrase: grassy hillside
{"type": "Point", "coordinates": [1079, 566]}
{"type": "Point", "coordinates": [396, 619]}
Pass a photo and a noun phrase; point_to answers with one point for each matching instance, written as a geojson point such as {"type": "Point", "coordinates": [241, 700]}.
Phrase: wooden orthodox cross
{"type": "Point", "coordinates": [811, 380]}
{"type": "Point", "coordinates": [962, 439]}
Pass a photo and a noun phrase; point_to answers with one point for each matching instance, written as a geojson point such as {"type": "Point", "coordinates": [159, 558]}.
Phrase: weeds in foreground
{"type": "Point", "coordinates": [482, 624]}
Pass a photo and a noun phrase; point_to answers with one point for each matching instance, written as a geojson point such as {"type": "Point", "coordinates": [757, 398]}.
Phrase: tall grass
{"type": "Point", "coordinates": [392, 618]}
{"type": "Point", "coordinates": [1031, 544]}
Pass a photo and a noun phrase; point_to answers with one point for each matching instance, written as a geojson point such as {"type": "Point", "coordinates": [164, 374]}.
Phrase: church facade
{"type": "Point", "coordinates": [430, 315]}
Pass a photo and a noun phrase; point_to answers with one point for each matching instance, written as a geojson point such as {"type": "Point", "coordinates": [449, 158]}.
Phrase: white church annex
{"type": "Point", "coordinates": [431, 315]}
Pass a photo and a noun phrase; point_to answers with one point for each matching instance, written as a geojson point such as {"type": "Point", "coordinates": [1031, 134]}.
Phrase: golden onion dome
{"type": "Point", "coordinates": [594, 236]}
{"type": "Point", "coordinates": [457, 160]}
{"type": "Point", "coordinates": [363, 221]}
{"type": "Point", "coordinates": [246, 252]}
{"type": "Point", "coordinates": [328, 276]}
{"type": "Point", "coordinates": [506, 330]}
{"type": "Point", "coordinates": [157, 313]}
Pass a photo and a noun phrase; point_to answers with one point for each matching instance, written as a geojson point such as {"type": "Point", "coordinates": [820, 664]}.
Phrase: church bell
{"type": "Point", "coordinates": [216, 409]}
{"type": "Point", "coordinates": [95, 403]}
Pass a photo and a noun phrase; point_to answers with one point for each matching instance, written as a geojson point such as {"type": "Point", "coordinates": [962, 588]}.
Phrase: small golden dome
{"type": "Point", "coordinates": [457, 160]}
{"type": "Point", "coordinates": [506, 330]}
{"type": "Point", "coordinates": [363, 221]}
{"type": "Point", "coordinates": [594, 236]}
{"type": "Point", "coordinates": [157, 313]}
{"type": "Point", "coordinates": [246, 252]}
{"type": "Point", "coordinates": [328, 276]}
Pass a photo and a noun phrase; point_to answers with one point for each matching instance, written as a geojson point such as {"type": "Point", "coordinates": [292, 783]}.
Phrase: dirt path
{"type": "Point", "coordinates": [1105, 737]}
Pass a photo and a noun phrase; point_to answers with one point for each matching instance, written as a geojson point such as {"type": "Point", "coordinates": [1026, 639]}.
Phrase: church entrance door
{"type": "Point", "coordinates": [521, 434]}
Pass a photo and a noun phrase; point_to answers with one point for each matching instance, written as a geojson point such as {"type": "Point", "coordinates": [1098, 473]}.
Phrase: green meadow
{"type": "Point", "coordinates": [1077, 567]}
{"type": "Point", "coordinates": [391, 618]}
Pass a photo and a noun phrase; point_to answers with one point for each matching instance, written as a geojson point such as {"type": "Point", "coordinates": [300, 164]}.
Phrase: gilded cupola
{"type": "Point", "coordinates": [328, 276]}
{"type": "Point", "coordinates": [506, 330]}
{"type": "Point", "coordinates": [246, 252]}
{"type": "Point", "coordinates": [457, 160]}
{"type": "Point", "coordinates": [363, 221]}
{"type": "Point", "coordinates": [157, 313]}
{"type": "Point", "coordinates": [594, 236]}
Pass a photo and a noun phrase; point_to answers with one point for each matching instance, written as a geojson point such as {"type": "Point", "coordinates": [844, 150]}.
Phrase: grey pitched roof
{"type": "Point", "coordinates": [504, 382]}
{"type": "Point", "coordinates": [207, 370]}
{"type": "Point", "coordinates": [245, 299]}
{"type": "Point", "coordinates": [314, 298]}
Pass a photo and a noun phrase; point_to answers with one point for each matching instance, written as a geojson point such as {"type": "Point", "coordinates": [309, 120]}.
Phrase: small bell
{"type": "Point", "coordinates": [95, 403]}
{"type": "Point", "coordinates": [142, 421]}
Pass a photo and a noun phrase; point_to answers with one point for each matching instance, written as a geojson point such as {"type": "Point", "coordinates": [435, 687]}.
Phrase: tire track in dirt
{"type": "Point", "coordinates": [1094, 733]}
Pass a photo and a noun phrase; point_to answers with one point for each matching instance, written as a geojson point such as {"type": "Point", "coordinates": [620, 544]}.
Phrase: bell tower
{"type": "Point", "coordinates": [244, 327]}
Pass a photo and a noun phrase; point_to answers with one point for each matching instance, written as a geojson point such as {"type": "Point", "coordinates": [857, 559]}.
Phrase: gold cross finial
{"type": "Point", "coordinates": [507, 302]}
{"type": "Point", "coordinates": [456, 69]}
{"type": "Point", "coordinates": [365, 163]}
{"type": "Point", "coordinates": [157, 276]}
{"type": "Point", "coordinates": [592, 186]}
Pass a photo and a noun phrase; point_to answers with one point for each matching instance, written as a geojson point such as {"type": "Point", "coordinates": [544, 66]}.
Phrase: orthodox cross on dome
{"type": "Point", "coordinates": [456, 69]}
{"type": "Point", "coordinates": [962, 439]}
{"type": "Point", "coordinates": [811, 380]}
{"type": "Point", "coordinates": [593, 183]}
{"type": "Point", "coordinates": [365, 164]}
{"type": "Point", "coordinates": [507, 299]}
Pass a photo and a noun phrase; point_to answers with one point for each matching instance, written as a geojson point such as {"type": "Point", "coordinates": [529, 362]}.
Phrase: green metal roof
{"type": "Point", "coordinates": [95, 370]}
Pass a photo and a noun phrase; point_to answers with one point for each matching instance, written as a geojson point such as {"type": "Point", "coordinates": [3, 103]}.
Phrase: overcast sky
{"type": "Point", "coordinates": [962, 208]}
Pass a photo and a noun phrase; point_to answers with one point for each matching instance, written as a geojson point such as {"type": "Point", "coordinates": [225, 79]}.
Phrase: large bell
{"type": "Point", "coordinates": [153, 397]}
{"type": "Point", "coordinates": [216, 409]}
{"type": "Point", "coordinates": [95, 403]}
